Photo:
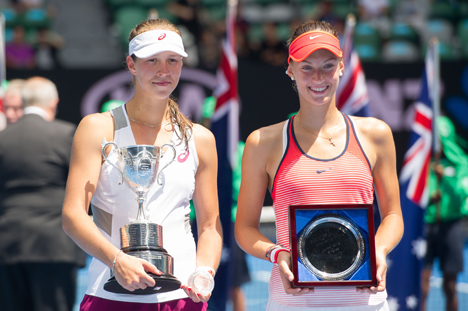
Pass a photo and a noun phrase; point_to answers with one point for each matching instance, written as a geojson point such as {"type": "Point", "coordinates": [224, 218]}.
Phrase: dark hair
{"type": "Point", "coordinates": [311, 26]}
{"type": "Point", "coordinates": [176, 116]}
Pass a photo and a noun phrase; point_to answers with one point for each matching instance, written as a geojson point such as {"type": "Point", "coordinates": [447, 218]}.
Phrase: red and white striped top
{"type": "Point", "coordinates": [302, 179]}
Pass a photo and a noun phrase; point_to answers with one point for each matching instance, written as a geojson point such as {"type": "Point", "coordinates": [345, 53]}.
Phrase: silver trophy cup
{"type": "Point", "coordinates": [141, 238]}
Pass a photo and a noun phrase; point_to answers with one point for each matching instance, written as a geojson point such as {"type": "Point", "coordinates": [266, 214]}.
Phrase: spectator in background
{"type": "Point", "coordinates": [19, 54]}
{"type": "Point", "coordinates": [13, 102]}
{"type": "Point", "coordinates": [47, 47]}
{"type": "Point", "coordinates": [448, 188]}
{"type": "Point", "coordinates": [375, 12]}
{"type": "Point", "coordinates": [272, 50]}
{"type": "Point", "coordinates": [38, 261]}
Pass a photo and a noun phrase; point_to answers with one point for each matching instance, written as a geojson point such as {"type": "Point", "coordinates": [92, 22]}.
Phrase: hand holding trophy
{"type": "Point", "coordinates": [141, 238]}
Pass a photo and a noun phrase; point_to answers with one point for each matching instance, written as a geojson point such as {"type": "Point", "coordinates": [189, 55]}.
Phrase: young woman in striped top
{"type": "Point", "coordinates": [318, 156]}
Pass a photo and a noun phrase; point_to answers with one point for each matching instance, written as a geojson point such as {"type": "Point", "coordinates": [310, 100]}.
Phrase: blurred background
{"type": "Point", "coordinates": [81, 46]}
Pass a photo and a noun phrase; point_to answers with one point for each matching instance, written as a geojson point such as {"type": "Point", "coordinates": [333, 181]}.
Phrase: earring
{"type": "Point", "coordinates": [341, 73]}
{"type": "Point", "coordinates": [292, 78]}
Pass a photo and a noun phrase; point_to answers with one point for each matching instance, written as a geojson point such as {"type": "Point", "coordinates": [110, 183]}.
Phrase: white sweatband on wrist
{"type": "Point", "coordinates": [152, 42]}
{"type": "Point", "coordinates": [274, 253]}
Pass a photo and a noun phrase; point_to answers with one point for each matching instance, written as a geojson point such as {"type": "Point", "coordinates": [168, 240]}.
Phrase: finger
{"type": "Point", "coordinates": [150, 268]}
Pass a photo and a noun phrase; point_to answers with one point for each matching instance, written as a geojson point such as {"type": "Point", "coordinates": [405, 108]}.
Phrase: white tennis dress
{"type": "Point", "coordinates": [168, 205]}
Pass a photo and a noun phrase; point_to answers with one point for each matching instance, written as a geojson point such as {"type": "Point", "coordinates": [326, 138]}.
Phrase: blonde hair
{"type": "Point", "coordinates": [176, 116]}
{"type": "Point", "coordinates": [311, 26]}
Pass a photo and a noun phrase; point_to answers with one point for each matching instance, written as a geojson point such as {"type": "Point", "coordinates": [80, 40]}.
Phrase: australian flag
{"type": "Point", "coordinates": [225, 127]}
{"type": "Point", "coordinates": [406, 260]}
{"type": "Point", "coordinates": [351, 95]}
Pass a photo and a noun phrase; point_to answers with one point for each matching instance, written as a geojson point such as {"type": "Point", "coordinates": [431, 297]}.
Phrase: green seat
{"type": "Point", "coordinates": [367, 52]}
{"type": "Point", "coordinates": [365, 33]}
{"type": "Point", "coordinates": [443, 10]}
{"type": "Point", "coordinates": [148, 4]}
{"type": "Point", "coordinates": [462, 31]}
{"type": "Point", "coordinates": [438, 28]}
{"type": "Point", "coordinates": [127, 18]}
{"type": "Point", "coordinates": [400, 51]}
{"type": "Point", "coordinates": [164, 13]}
{"type": "Point", "coordinates": [11, 18]}
{"type": "Point", "coordinates": [446, 51]}
{"type": "Point", "coordinates": [208, 3]}
{"type": "Point", "coordinates": [403, 31]}
{"type": "Point", "coordinates": [117, 4]}
{"type": "Point", "coordinates": [341, 10]}
{"type": "Point", "coordinates": [283, 31]}
{"type": "Point", "coordinates": [255, 33]}
{"type": "Point", "coordinates": [217, 13]}
{"type": "Point", "coordinates": [36, 18]}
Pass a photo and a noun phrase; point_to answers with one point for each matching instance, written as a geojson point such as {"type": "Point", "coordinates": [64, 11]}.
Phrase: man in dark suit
{"type": "Point", "coordinates": [38, 261]}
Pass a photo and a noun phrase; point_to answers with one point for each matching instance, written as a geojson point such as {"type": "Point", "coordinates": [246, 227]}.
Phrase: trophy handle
{"type": "Point", "coordinates": [105, 157]}
{"type": "Point", "coordinates": [173, 158]}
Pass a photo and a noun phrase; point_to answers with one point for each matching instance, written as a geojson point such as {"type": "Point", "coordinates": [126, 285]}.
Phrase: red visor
{"type": "Point", "coordinates": [311, 41]}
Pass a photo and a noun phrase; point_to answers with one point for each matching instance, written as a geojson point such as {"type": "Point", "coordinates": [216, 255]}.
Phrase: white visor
{"type": "Point", "coordinates": [153, 42]}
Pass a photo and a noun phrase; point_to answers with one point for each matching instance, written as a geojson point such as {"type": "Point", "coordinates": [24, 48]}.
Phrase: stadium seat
{"type": "Point", "coordinates": [36, 18]}
{"type": "Point", "coordinates": [439, 28]}
{"type": "Point", "coordinates": [403, 31]}
{"type": "Point", "coordinates": [9, 35]}
{"type": "Point", "coordinates": [11, 18]}
{"type": "Point", "coordinates": [443, 10]}
{"type": "Point", "coordinates": [462, 31]}
{"type": "Point", "coordinates": [365, 33]}
{"type": "Point", "coordinates": [148, 4]}
{"type": "Point", "coordinates": [367, 52]}
{"type": "Point", "coordinates": [255, 33]}
{"type": "Point", "coordinates": [283, 31]}
{"type": "Point", "coordinates": [206, 3]}
{"type": "Point", "coordinates": [117, 4]}
{"type": "Point", "coordinates": [446, 51]}
{"type": "Point", "coordinates": [126, 18]}
{"type": "Point", "coordinates": [399, 51]}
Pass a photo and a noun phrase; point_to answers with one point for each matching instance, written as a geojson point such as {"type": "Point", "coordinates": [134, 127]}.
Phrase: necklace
{"type": "Point", "coordinates": [330, 139]}
{"type": "Point", "coordinates": [164, 123]}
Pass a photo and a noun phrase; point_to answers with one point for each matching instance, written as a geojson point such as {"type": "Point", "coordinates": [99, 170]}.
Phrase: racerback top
{"type": "Point", "coordinates": [302, 179]}
{"type": "Point", "coordinates": [168, 205]}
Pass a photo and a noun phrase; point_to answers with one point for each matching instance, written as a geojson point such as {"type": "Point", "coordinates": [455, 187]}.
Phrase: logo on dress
{"type": "Point", "coordinates": [321, 171]}
{"type": "Point", "coordinates": [162, 36]}
{"type": "Point", "coordinates": [183, 156]}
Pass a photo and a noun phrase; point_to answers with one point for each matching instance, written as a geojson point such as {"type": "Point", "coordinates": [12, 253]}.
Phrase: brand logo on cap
{"type": "Point", "coordinates": [314, 37]}
{"type": "Point", "coordinates": [162, 36]}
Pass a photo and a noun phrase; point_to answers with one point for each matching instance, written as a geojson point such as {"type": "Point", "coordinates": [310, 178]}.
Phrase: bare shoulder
{"type": "Point", "coordinates": [202, 135]}
{"type": "Point", "coordinates": [266, 137]}
{"type": "Point", "coordinates": [374, 130]}
{"type": "Point", "coordinates": [96, 126]}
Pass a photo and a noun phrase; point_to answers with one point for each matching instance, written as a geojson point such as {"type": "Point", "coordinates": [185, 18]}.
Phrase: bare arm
{"type": "Point", "coordinates": [260, 161]}
{"type": "Point", "coordinates": [84, 173]}
{"type": "Point", "coordinates": [383, 159]}
{"type": "Point", "coordinates": [205, 197]}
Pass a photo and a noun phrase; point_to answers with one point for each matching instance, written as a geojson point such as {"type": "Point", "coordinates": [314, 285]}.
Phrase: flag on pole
{"type": "Point", "coordinates": [2, 69]}
{"type": "Point", "coordinates": [225, 127]}
{"type": "Point", "coordinates": [407, 258]}
{"type": "Point", "coordinates": [351, 95]}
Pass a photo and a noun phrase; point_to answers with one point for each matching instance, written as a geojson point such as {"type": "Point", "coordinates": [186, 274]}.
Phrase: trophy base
{"type": "Point", "coordinates": [164, 283]}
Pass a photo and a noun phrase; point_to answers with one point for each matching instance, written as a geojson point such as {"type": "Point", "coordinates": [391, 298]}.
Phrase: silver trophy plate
{"type": "Point", "coordinates": [331, 247]}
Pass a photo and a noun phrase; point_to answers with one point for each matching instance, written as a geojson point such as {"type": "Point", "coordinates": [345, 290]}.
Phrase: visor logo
{"type": "Point", "coordinates": [314, 37]}
{"type": "Point", "coordinates": [162, 36]}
